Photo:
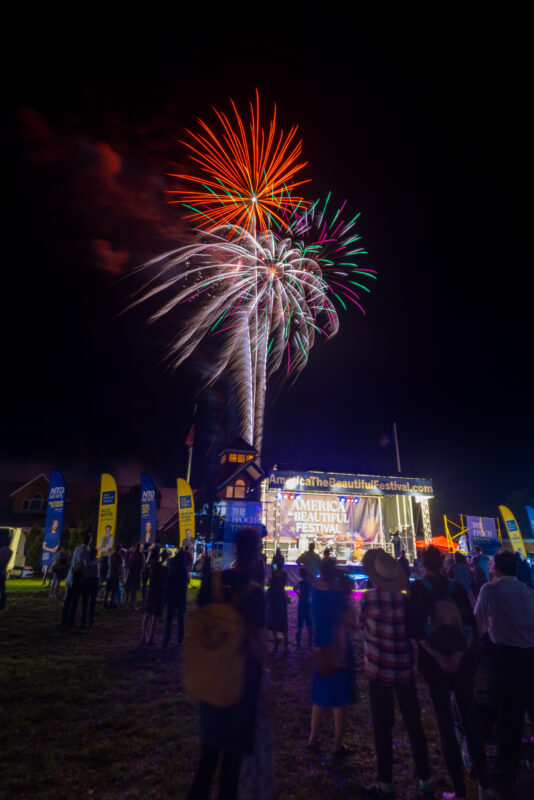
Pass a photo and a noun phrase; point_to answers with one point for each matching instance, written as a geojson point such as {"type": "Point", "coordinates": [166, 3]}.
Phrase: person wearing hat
{"type": "Point", "coordinates": [389, 666]}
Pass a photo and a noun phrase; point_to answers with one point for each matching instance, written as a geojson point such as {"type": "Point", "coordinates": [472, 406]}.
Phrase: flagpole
{"type": "Point", "coordinates": [396, 447]}
{"type": "Point", "coordinates": [190, 458]}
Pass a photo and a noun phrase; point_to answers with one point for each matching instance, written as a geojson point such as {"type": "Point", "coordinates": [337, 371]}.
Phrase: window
{"type": "Point", "coordinates": [241, 458]}
{"type": "Point", "coordinates": [35, 504]}
{"type": "Point", "coordinates": [232, 457]}
{"type": "Point", "coordinates": [223, 459]}
{"type": "Point", "coordinates": [237, 491]}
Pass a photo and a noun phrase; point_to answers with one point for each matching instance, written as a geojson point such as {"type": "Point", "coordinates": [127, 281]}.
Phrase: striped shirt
{"type": "Point", "coordinates": [388, 650]}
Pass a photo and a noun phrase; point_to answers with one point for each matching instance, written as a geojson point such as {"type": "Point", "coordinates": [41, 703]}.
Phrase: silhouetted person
{"type": "Point", "coordinates": [277, 607]}
{"type": "Point", "coordinates": [80, 558]}
{"type": "Point", "coordinates": [90, 587]}
{"type": "Point", "coordinates": [310, 560]}
{"type": "Point", "coordinates": [278, 559]}
{"type": "Point", "coordinates": [404, 563]}
{"type": "Point", "coordinates": [176, 597]}
{"type": "Point", "coordinates": [448, 661]}
{"type": "Point", "coordinates": [115, 566]}
{"type": "Point", "coordinates": [395, 540]}
{"type": "Point", "coordinates": [229, 732]}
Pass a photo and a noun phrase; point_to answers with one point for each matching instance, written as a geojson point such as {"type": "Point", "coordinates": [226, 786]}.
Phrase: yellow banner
{"type": "Point", "coordinates": [516, 540]}
{"type": "Point", "coordinates": [107, 514]}
{"type": "Point", "coordinates": [186, 511]}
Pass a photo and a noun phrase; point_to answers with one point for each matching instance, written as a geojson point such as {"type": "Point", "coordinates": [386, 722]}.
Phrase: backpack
{"type": "Point", "coordinates": [216, 650]}
{"type": "Point", "coordinates": [445, 630]}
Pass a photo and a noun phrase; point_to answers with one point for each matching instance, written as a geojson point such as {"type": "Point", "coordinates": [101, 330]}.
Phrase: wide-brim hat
{"type": "Point", "coordinates": [385, 573]}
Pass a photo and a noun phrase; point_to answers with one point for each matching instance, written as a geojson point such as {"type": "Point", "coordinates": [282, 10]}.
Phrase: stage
{"type": "Point", "coordinates": [346, 513]}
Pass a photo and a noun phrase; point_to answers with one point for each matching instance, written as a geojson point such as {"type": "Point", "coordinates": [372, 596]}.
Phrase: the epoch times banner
{"type": "Point", "coordinates": [149, 511]}
{"type": "Point", "coordinates": [107, 512]}
{"type": "Point", "coordinates": [325, 518]}
{"type": "Point", "coordinates": [54, 517]}
{"type": "Point", "coordinates": [240, 514]}
{"type": "Point", "coordinates": [482, 532]}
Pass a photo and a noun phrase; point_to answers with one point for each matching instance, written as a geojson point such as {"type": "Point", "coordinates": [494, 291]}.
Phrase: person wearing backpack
{"type": "Point", "coordinates": [440, 618]}
{"type": "Point", "coordinates": [224, 658]}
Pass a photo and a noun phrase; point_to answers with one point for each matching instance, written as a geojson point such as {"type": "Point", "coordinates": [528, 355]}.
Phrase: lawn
{"type": "Point", "coordinates": [26, 586]}
{"type": "Point", "coordinates": [87, 714]}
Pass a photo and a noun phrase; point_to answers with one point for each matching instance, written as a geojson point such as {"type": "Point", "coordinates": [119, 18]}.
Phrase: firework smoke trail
{"type": "Point", "coordinates": [266, 268]}
{"type": "Point", "coordinates": [261, 294]}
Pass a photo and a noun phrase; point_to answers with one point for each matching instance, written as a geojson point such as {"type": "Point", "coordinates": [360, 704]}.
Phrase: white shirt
{"type": "Point", "coordinates": [106, 545]}
{"type": "Point", "coordinates": [505, 608]}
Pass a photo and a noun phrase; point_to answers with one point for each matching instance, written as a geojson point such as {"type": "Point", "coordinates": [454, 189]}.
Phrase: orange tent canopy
{"type": "Point", "coordinates": [438, 541]}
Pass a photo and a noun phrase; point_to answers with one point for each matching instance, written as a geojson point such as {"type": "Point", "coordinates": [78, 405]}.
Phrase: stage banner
{"type": "Point", "coordinates": [327, 519]}
{"type": "Point", "coordinates": [516, 540]}
{"type": "Point", "coordinates": [54, 517]}
{"type": "Point", "coordinates": [342, 483]}
{"type": "Point", "coordinates": [186, 512]}
{"type": "Point", "coordinates": [482, 532]}
{"type": "Point", "coordinates": [107, 512]}
{"type": "Point", "coordinates": [149, 511]}
{"type": "Point", "coordinates": [530, 515]}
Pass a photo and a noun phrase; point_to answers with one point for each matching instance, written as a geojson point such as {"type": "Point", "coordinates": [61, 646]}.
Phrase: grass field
{"type": "Point", "coordinates": [86, 714]}
{"type": "Point", "coordinates": [26, 586]}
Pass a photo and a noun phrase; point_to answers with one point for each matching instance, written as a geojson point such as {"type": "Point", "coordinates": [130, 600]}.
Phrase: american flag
{"type": "Point", "coordinates": [190, 438]}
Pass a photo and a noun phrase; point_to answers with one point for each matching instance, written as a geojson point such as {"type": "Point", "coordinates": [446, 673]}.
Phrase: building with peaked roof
{"type": "Point", "coordinates": [239, 474]}
{"type": "Point", "coordinates": [24, 506]}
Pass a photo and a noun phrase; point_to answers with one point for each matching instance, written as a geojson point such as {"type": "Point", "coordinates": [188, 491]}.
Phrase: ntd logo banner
{"type": "Point", "coordinates": [149, 511]}
{"type": "Point", "coordinates": [54, 517]}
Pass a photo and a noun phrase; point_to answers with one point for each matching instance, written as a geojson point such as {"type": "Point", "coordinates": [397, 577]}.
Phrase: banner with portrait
{"type": "Point", "coordinates": [149, 511]}
{"type": "Point", "coordinates": [186, 513]}
{"type": "Point", "coordinates": [55, 509]}
{"type": "Point", "coordinates": [530, 515]}
{"type": "Point", "coordinates": [107, 513]}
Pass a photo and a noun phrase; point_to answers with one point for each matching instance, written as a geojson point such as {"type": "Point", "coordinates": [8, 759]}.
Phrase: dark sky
{"type": "Point", "coordinates": [419, 122]}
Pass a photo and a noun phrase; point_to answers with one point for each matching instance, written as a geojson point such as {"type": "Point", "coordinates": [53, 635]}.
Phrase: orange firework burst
{"type": "Point", "coordinates": [247, 180]}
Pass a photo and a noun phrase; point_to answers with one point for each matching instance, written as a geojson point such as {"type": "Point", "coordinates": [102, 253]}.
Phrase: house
{"type": "Point", "coordinates": [239, 474]}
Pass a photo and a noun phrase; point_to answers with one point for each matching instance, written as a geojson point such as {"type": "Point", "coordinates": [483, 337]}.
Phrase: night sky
{"type": "Point", "coordinates": [419, 123]}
